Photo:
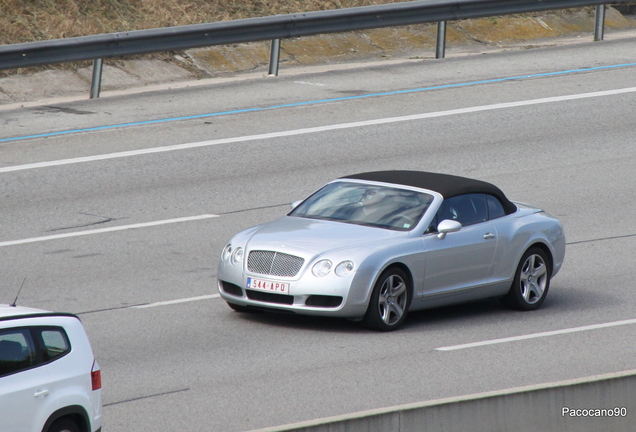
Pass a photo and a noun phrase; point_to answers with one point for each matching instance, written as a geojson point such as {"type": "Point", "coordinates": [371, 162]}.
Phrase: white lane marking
{"type": "Point", "coordinates": [538, 335]}
{"type": "Point", "coordinates": [104, 230]}
{"type": "Point", "coordinates": [310, 83]}
{"type": "Point", "coordinates": [314, 130]}
{"type": "Point", "coordinates": [177, 301]}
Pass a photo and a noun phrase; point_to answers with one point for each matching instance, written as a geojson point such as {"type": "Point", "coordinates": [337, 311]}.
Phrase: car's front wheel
{"type": "Point", "coordinates": [390, 301]}
{"type": "Point", "coordinates": [531, 282]}
{"type": "Point", "coordinates": [64, 425]}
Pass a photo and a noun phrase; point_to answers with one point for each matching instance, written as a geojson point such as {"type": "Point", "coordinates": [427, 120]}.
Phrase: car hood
{"type": "Point", "coordinates": [297, 235]}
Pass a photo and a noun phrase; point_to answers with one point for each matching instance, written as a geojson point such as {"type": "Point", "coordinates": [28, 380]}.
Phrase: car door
{"type": "Point", "coordinates": [461, 260]}
{"type": "Point", "coordinates": [17, 360]}
{"type": "Point", "coordinates": [34, 381]}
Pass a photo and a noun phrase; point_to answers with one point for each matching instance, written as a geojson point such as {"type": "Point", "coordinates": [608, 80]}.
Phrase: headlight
{"type": "Point", "coordinates": [237, 256]}
{"type": "Point", "coordinates": [345, 268]}
{"type": "Point", "coordinates": [322, 268]}
{"type": "Point", "coordinates": [227, 252]}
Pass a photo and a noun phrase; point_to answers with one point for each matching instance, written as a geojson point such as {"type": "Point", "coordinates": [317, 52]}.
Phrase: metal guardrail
{"type": "Point", "coordinates": [275, 28]}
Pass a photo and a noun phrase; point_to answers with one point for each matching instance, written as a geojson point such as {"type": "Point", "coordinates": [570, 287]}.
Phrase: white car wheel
{"type": "Point", "coordinates": [64, 425]}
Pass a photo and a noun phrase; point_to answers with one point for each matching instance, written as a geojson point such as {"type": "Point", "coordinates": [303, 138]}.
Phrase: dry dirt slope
{"type": "Point", "coordinates": [415, 42]}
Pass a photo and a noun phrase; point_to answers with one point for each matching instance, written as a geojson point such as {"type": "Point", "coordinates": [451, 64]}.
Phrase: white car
{"type": "Point", "coordinates": [49, 379]}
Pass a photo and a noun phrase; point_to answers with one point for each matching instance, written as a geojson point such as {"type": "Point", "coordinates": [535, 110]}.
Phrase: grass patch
{"type": "Point", "coordinates": [37, 20]}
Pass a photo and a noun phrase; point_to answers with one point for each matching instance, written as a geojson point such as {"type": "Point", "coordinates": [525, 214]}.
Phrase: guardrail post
{"type": "Point", "coordinates": [274, 57]}
{"type": "Point", "coordinates": [440, 49]}
{"type": "Point", "coordinates": [96, 83]}
{"type": "Point", "coordinates": [599, 28]}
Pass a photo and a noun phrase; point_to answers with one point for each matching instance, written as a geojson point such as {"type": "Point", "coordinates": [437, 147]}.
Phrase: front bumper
{"type": "Point", "coordinates": [346, 297]}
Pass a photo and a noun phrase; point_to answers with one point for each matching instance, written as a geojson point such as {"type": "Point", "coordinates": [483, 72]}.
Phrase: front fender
{"type": "Point", "coordinates": [408, 254]}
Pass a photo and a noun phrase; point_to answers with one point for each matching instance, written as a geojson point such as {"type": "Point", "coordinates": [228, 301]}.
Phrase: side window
{"type": "Point", "coordinates": [54, 343]}
{"type": "Point", "coordinates": [26, 347]}
{"type": "Point", "coordinates": [432, 228]}
{"type": "Point", "coordinates": [17, 351]}
{"type": "Point", "coordinates": [466, 209]}
{"type": "Point", "coordinates": [495, 209]}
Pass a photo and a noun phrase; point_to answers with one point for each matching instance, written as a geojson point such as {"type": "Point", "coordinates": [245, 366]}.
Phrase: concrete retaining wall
{"type": "Point", "coordinates": [604, 403]}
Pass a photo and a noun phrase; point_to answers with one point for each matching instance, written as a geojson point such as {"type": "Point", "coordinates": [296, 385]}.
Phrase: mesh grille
{"type": "Point", "coordinates": [274, 263]}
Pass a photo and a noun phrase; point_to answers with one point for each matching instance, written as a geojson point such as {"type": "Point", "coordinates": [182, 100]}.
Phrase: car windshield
{"type": "Point", "coordinates": [365, 204]}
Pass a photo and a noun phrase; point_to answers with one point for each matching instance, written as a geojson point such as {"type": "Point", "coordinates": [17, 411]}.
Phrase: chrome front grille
{"type": "Point", "coordinates": [274, 263]}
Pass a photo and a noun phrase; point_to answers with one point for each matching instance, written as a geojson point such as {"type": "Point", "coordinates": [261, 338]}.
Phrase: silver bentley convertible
{"type": "Point", "coordinates": [373, 246]}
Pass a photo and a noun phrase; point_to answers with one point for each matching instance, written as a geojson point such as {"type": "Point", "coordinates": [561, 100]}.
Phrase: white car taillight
{"type": "Point", "coordinates": [96, 376]}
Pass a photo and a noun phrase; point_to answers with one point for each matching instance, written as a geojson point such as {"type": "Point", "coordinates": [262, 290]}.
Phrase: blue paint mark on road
{"type": "Point", "coordinates": [314, 102]}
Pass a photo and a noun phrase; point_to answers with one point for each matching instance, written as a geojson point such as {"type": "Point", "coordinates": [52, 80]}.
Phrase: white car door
{"type": "Point", "coordinates": [17, 391]}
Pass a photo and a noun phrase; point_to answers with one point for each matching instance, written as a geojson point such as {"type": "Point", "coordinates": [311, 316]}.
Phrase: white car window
{"type": "Point", "coordinates": [54, 343]}
{"type": "Point", "coordinates": [17, 351]}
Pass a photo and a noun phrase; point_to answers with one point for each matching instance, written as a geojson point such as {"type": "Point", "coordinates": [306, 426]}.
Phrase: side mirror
{"type": "Point", "coordinates": [295, 204]}
{"type": "Point", "coordinates": [447, 226]}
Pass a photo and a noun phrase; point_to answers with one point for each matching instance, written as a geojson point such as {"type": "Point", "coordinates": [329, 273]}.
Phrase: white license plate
{"type": "Point", "coordinates": [269, 286]}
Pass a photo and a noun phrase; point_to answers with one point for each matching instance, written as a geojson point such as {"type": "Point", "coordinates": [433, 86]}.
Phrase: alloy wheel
{"type": "Point", "coordinates": [533, 278]}
{"type": "Point", "coordinates": [392, 300]}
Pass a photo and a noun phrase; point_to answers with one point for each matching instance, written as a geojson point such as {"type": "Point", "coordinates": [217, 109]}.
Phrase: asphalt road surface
{"type": "Point", "coordinates": [117, 209]}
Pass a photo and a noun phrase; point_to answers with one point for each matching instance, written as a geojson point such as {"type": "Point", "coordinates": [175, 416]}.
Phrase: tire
{"type": "Point", "coordinates": [390, 301]}
{"type": "Point", "coordinates": [532, 281]}
{"type": "Point", "coordinates": [64, 425]}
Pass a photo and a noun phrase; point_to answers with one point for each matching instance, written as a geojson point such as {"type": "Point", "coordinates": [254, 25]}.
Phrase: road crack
{"type": "Point", "coordinates": [104, 220]}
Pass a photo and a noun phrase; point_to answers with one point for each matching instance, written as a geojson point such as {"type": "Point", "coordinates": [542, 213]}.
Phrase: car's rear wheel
{"type": "Point", "coordinates": [531, 282]}
{"type": "Point", "coordinates": [390, 301]}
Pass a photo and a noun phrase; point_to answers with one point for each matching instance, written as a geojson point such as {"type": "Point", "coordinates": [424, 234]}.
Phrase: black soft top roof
{"type": "Point", "coordinates": [445, 184]}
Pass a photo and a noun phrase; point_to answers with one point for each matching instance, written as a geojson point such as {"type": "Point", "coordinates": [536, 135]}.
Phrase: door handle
{"type": "Point", "coordinates": [489, 236]}
{"type": "Point", "coordinates": [41, 393]}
